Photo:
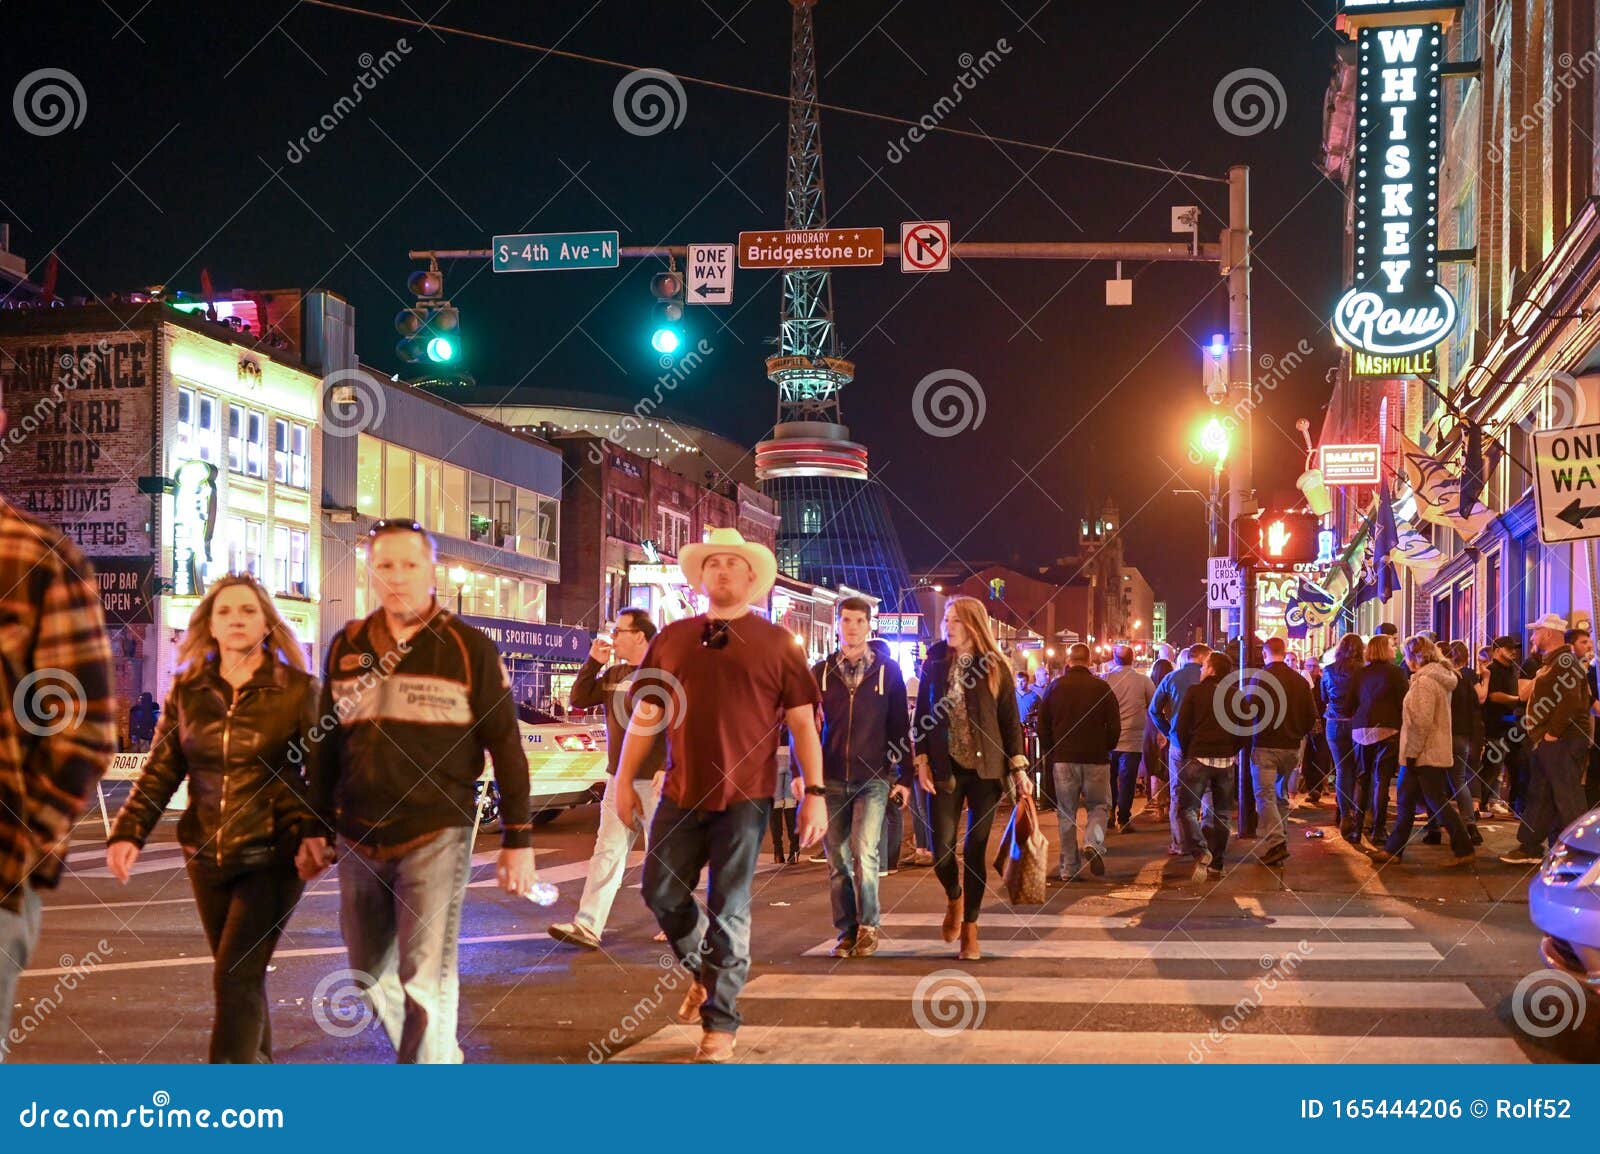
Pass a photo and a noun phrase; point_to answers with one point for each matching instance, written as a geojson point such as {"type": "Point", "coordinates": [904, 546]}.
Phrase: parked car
{"type": "Point", "coordinates": [1564, 902]}
{"type": "Point", "coordinates": [566, 763]}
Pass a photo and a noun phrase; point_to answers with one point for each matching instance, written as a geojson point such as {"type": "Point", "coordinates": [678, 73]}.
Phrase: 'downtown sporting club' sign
{"type": "Point", "coordinates": [1396, 312]}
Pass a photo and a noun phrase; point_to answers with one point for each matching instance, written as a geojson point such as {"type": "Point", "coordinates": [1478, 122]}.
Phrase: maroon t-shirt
{"type": "Point", "coordinates": [724, 706]}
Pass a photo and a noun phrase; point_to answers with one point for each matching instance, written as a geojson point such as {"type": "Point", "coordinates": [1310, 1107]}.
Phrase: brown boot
{"type": "Point", "coordinates": [969, 943]}
{"type": "Point", "coordinates": [952, 919]}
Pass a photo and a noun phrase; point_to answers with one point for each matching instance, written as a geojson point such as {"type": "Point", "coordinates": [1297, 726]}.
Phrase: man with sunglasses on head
{"type": "Point", "coordinates": [720, 687]}
{"type": "Point", "coordinates": [414, 697]}
{"type": "Point", "coordinates": [607, 686]}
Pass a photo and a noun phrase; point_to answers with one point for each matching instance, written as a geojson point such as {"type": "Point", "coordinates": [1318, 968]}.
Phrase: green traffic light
{"type": "Point", "coordinates": [665, 340]}
{"type": "Point", "coordinates": [1214, 439]}
{"type": "Point", "coordinates": [441, 349]}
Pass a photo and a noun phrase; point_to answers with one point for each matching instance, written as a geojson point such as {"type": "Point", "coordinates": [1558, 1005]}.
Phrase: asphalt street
{"type": "Point", "coordinates": [1328, 959]}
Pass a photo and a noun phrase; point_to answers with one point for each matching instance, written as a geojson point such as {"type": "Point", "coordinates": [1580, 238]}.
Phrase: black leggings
{"type": "Point", "coordinates": [779, 820]}
{"type": "Point", "coordinates": [981, 797]}
{"type": "Point", "coordinates": [243, 914]}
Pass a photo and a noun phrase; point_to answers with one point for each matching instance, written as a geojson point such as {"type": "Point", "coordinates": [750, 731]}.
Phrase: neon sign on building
{"type": "Point", "coordinates": [1396, 307]}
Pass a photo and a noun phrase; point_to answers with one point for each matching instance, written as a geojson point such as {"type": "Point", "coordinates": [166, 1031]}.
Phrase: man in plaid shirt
{"type": "Point", "coordinates": [58, 734]}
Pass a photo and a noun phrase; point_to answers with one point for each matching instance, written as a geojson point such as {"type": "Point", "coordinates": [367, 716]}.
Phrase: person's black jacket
{"type": "Point", "coordinates": [1208, 726]}
{"type": "Point", "coordinates": [244, 753]}
{"type": "Point", "coordinates": [1466, 712]}
{"type": "Point", "coordinates": [143, 716]}
{"type": "Point", "coordinates": [1339, 689]}
{"type": "Point", "coordinates": [1079, 720]}
{"type": "Point", "coordinates": [1380, 694]}
{"type": "Point", "coordinates": [999, 729]}
{"type": "Point", "coordinates": [1288, 713]}
{"type": "Point", "coordinates": [864, 730]}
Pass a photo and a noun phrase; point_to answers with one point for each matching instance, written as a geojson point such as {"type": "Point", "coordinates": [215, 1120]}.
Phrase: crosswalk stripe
{"type": "Point", "coordinates": [1352, 995]}
{"type": "Point", "coordinates": [1158, 951]}
{"type": "Point", "coordinates": [855, 1044]}
{"type": "Point", "coordinates": [1042, 921]}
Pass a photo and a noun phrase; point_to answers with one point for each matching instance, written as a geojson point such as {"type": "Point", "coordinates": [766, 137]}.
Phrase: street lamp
{"type": "Point", "coordinates": [459, 577]}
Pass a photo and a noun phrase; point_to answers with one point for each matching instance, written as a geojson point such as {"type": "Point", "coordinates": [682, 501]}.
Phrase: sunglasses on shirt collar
{"type": "Point", "coordinates": [715, 635]}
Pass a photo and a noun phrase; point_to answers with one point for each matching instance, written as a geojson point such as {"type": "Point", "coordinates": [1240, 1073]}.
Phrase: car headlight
{"type": "Point", "coordinates": [1567, 865]}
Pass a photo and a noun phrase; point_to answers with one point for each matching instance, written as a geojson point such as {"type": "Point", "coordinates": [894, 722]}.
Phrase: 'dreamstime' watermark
{"type": "Point", "coordinates": [1279, 970]}
{"type": "Point", "coordinates": [35, 1015]}
{"type": "Point", "coordinates": [373, 69]}
{"type": "Point", "coordinates": [1274, 371]}
{"type": "Point", "coordinates": [973, 69]}
{"type": "Point", "coordinates": [667, 382]}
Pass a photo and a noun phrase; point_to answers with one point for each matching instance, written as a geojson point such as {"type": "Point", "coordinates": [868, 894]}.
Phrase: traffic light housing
{"type": "Point", "coordinates": [430, 330]}
{"type": "Point", "coordinates": [1275, 540]}
{"type": "Point", "coordinates": [666, 333]}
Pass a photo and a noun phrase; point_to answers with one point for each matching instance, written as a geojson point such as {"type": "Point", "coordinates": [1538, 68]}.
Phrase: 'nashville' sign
{"type": "Point", "coordinates": [1396, 305]}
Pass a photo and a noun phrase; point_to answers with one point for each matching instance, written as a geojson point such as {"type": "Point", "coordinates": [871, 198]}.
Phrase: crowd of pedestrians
{"type": "Point", "coordinates": [379, 765]}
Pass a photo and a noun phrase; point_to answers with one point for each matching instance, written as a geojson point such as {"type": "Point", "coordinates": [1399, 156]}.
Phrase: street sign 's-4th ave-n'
{"type": "Point", "coordinates": [556, 251]}
{"type": "Point", "coordinates": [1567, 483]}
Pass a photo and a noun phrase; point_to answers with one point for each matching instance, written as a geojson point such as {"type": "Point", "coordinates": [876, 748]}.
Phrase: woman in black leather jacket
{"type": "Point", "coordinates": [237, 725]}
{"type": "Point", "coordinates": [1339, 711]}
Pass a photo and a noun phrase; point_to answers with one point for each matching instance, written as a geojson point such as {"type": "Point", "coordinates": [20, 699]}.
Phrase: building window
{"type": "Point", "coordinates": [397, 495]}
{"type": "Point", "coordinates": [672, 531]}
{"type": "Point", "coordinates": [536, 531]}
{"type": "Point", "coordinates": [205, 428]}
{"type": "Point", "coordinates": [289, 453]}
{"type": "Point", "coordinates": [505, 512]}
{"type": "Point", "coordinates": [369, 476]}
{"type": "Point", "coordinates": [811, 518]}
{"type": "Point", "coordinates": [299, 544]}
{"type": "Point", "coordinates": [453, 502]}
{"type": "Point", "coordinates": [183, 444]}
{"type": "Point", "coordinates": [254, 532]}
{"type": "Point", "coordinates": [480, 524]}
{"type": "Point", "coordinates": [236, 421]}
{"type": "Point", "coordinates": [1491, 596]}
{"type": "Point", "coordinates": [255, 445]}
{"type": "Point", "coordinates": [533, 601]}
{"type": "Point", "coordinates": [280, 559]}
{"type": "Point", "coordinates": [625, 517]}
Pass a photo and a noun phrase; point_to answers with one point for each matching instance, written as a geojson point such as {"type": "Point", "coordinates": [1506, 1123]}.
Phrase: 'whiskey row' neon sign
{"type": "Point", "coordinates": [1396, 305]}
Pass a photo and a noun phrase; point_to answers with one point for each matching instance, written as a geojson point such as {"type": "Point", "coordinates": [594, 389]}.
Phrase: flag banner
{"type": "Point", "coordinates": [1310, 608]}
{"type": "Point", "coordinates": [1418, 553]}
{"type": "Point", "coordinates": [1438, 492]}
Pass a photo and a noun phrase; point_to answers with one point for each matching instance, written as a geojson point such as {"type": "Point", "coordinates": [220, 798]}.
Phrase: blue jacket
{"type": "Point", "coordinates": [1169, 695]}
{"type": "Point", "coordinates": [864, 732]}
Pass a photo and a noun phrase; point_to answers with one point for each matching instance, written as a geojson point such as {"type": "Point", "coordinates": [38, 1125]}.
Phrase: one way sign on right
{"type": "Point", "coordinates": [710, 279]}
{"type": "Point", "coordinates": [1567, 485]}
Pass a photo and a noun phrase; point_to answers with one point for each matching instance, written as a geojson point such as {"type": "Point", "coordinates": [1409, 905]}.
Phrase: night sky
{"type": "Point", "coordinates": [182, 161]}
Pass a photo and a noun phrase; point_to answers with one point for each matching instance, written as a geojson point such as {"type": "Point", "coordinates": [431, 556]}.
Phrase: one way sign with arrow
{"type": "Point", "coordinates": [710, 275]}
{"type": "Point", "coordinates": [1567, 482]}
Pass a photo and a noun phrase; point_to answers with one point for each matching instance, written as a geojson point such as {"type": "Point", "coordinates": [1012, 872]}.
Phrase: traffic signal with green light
{"type": "Point", "coordinates": [666, 335]}
{"type": "Point", "coordinates": [430, 331]}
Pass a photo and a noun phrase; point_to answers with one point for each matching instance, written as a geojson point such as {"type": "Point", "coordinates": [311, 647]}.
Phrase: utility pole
{"type": "Point", "coordinates": [1240, 491]}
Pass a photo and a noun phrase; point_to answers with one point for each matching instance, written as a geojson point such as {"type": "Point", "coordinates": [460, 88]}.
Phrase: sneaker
{"type": "Point", "coordinates": [814, 859]}
{"type": "Point", "coordinates": [1499, 809]}
{"type": "Point", "coordinates": [574, 935]}
{"type": "Point", "coordinates": [1520, 856]}
{"type": "Point", "coordinates": [715, 1046]}
{"type": "Point", "coordinates": [1213, 873]}
{"type": "Point", "coordinates": [866, 942]}
{"type": "Point", "coordinates": [845, 946]}
{"type": "Point", "coordinates": [689, 1008]}
{"type": "Point", "coordinates": [923, 857]}
{"type": "Point", "coordinates": [889, 873]}
{"type": "Point", "coordinates": [1097, 861]}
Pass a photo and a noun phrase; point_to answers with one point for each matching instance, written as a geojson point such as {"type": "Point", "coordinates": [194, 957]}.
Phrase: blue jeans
{"type": "Point", "coordinates": [401, 922]}
{"type": "Point", "coordinates": [894, 830]}
{"type": "Point", "coordinates": [855, 827]}
{"type": "Point", "coordinates": [683, 842]}
{"type": "Point", "coordinates": [1092, 784]}
{"type": "Point", "coordinates": [1269, 773]}
{"type": "Point", "coordinates": [1124, 776]}
{"type": "Point", "coordinates": [1342, 752]}
{"type": "Point", "coordinates": [19, 934]}
{"type": "Point", "coordinates": [1213, 789]}
{"type": "Point", "coordinates": [921, 818]}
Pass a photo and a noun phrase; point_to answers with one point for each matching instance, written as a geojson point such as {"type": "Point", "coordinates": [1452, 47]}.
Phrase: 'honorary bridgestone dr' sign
{"type": "Point", "coordinates": [1567, 483]}
{"type": "Point", "coordinates": [811, 248]}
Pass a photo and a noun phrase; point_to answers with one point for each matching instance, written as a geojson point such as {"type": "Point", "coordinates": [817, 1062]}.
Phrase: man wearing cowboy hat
{"type": "Point", "coordinates": [1558, 728]}
{"type": "Point", "coordinates": [720, 686]}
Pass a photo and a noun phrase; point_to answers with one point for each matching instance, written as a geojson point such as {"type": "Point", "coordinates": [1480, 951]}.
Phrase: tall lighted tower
{"type": "Point", "coordinates": [836, 528]}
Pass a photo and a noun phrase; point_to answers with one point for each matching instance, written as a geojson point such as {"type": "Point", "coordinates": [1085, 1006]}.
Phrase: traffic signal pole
{"type": "Point", "coordinates": [1240, 489]}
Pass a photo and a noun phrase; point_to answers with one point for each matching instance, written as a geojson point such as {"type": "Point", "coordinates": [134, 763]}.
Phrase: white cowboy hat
{"type": "Point", "coordinates": [758, 556]}
{"type": "Point", "coordinates": [1549, 621]}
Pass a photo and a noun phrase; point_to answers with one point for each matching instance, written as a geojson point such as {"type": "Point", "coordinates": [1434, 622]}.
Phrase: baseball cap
{"type": "Point", "coordinates": [1507, 642]}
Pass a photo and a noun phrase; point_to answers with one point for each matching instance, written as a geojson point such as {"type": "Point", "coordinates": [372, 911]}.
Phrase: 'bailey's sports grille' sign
{"type": "Point", "coordinates": [1396, 309]}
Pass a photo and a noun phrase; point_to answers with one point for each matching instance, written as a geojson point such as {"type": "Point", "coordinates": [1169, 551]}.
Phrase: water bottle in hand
{"type": "Point", "coordinates": [543, 894]}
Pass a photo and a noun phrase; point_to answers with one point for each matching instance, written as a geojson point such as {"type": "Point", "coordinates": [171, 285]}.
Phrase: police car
{"type": "Point", "coordinates": [566, 763]}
